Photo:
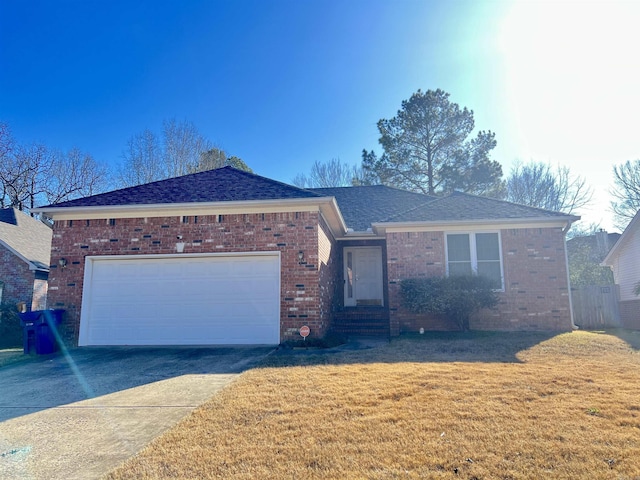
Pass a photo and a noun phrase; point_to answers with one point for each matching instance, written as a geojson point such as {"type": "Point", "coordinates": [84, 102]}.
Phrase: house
{"type": "Point", "coordinates": [229, 257]}
{"type": "Point", "coordinates": [25, 248]}
{"type": "Point", "coordinates": [624, 260]}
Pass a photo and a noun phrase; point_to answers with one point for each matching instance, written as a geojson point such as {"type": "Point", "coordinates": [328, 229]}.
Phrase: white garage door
{"type": "Point", "coordinates": [181, 300]}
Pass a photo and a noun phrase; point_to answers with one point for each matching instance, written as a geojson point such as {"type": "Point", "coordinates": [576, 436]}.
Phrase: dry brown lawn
{"type": "Point", "coordinates": [474, 406]}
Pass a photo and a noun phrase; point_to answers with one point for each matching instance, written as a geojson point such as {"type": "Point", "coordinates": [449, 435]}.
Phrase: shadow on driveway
{"type": "Point", "coordinates": [78, 416]}
{"type": "Point", "coordinates": [84, 373]}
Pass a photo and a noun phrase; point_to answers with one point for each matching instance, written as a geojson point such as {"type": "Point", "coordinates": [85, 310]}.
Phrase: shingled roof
{"type": "Point", "coordinates": [225, 184]}
{"type": "Point", "coordinates": [460, 206]}
{"type": "Point", "coordinates": [26, 237]}
{"type": "Point", "coordinates": [361, 206]}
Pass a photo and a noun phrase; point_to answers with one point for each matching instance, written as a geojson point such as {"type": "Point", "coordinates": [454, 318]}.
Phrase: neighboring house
{"type": "Point", "coordinates": [229, 257]}
{"type": "Point", "coordinates": [25, 248]}
{"type": "Point", "coordinates": [624, 260]}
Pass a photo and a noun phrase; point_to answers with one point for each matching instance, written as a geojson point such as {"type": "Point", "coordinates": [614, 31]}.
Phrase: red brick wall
{"type": "Point", "coordinates": [328, 269]}
{"type": "Point", "coordinates": [413, 255]}
{"type": "Point", "coordinates": [535, 279]}
{"type": "Point", "coordinates": [288, 233]}
{"type": "Point", "coordinates": [630, 314]}
{"type": "Point", "coordinates": [18, 279]}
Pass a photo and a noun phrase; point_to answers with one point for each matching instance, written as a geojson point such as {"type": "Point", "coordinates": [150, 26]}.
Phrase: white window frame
{"type": "Point", "coordinates": [473, 251]}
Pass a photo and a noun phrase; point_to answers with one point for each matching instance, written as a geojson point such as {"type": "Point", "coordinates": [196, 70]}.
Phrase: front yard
{"type": "Point", "coordinates": [472, 406]}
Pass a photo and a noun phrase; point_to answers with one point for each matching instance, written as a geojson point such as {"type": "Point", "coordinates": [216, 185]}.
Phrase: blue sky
{"type": "Point", "coordinates": [282, 84]}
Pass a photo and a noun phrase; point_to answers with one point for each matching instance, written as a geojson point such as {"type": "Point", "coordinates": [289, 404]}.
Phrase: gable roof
{"type": "Point", "coordinates": [461, 207]}
{"type": "Point", "coordinates": [625, 238]}
{"type": "Point", "coordinates": [28, 238]}
{"type": "Point", "coordinates": [226, 184]}
{"type": "Point", "coordinates": [364, 205]}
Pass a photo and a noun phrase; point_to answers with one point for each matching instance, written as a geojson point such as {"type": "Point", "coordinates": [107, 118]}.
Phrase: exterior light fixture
{"type": "Point", "coordinates": [62, 262]}
{"type": "Point", "coordinates": [301, 255]}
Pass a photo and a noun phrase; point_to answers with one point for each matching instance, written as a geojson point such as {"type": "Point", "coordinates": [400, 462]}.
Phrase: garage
{"type": "Point", "coordinates": [188, 299]}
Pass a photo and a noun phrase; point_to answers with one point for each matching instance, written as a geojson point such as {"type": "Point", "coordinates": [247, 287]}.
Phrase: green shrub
{"type": "Point", "coordinates": [457, 297]}
{"type": "Point", "coordinates": [10, 329]}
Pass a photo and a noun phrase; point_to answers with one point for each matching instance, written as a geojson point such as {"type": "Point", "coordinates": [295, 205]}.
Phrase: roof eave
{"type": "Point", "coordinates": [161, 209]}
{"type": "Point", "coordinates": [327, 205]}
{"type": "Point", "coordinates": [32, 264]}
{"type": "Point", "coordinates": [332, 215]}
{"type": "Point", "coordinates": [608, 259]}
{"type": "Point", "coordinates": [538, 222]}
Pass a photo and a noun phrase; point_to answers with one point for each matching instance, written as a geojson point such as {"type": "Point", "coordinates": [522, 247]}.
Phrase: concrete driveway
{"type": "Point", "coordinates": [78, 416]}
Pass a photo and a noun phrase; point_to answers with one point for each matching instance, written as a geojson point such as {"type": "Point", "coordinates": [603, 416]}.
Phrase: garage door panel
{"type": "Point", "coordinates": [230, 299]}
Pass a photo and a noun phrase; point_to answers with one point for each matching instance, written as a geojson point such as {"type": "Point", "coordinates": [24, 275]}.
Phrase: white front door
{"type": "Point", "coordinates": [362, 276]}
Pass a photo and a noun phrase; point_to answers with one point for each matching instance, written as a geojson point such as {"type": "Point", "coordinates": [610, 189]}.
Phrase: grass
{"type": "Point", "coordinates": [471, 406]}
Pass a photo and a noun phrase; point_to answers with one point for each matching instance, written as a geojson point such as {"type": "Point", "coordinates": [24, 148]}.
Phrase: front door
{"type": "Point", "coordinates": [362, 276]}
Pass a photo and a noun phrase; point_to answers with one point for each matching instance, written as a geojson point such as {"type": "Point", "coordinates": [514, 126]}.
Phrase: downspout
{"type": "Point", "coordinates": [566, 262]}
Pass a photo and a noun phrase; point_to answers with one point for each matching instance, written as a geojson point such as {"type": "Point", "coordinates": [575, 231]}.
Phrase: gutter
{"type": "Point", "coordinates": [566, 262]}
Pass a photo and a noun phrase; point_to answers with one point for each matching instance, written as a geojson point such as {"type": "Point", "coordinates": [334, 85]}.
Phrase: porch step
{"type": "Point", "coordinates": [371, 321]}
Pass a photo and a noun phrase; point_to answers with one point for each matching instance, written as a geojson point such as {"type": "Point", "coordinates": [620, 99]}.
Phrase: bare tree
{"type": "Point", "coordinates": [183, 146]}
{"type": "Point", "coordinates": [180, 150]}
{"type": "Point", "coordinates": [32, 175]}
{"type": "Point", "coordinates": [538, 185]}
{"type": "Point", "coordinates": [142, 160]}
{"type": "Point", "coordinates": [333, 173]}
{"type": "Point", "coordinates": [74, 174]}
{"type": "Point", "coordinates": [23, 175]}
{"type": "Point", "coordinates": [626, 178]}
{"type": "Point", "coordinates": [7, 142]}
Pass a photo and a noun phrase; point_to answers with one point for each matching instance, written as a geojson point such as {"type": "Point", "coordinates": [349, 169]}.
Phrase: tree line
{"type": "Point", "coordinates": [429, 146]}
{"type": "Point", "coordinates": [34, 174]}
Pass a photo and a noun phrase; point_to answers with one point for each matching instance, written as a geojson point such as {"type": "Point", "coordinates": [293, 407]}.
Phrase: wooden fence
{"type": "Point", "coordinates": [596, 306]}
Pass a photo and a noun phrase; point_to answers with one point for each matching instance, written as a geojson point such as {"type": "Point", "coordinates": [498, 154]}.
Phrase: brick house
{"type": "Point", "coordinates": [624, 260]}
{"type": "Point", "coordinates": [229, 257]}
{"type": "Point", "coordinates": [25, 248]}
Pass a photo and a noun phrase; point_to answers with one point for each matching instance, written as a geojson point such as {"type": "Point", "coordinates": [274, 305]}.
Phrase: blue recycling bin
{"type": "Point", "coordinates": [39, 330]}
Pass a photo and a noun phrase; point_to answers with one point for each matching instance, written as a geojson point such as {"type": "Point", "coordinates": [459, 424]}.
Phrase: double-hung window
{"type": "Point", "coordinates": [478, 253]}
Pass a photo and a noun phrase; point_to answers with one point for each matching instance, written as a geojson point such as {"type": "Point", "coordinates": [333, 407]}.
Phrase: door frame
{"type": "Point", "coordinates": [350, 287]}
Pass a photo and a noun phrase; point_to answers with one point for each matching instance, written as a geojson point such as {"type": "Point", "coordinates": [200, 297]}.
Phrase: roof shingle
{"type": "Point", "coordinates": [460, 206]}
{"type": "Point", "coordinates": [225, 184]}
{"type": "Point", "coordinates": [361, 206]}
{"type": "Point", "coordinates": [27, 236]}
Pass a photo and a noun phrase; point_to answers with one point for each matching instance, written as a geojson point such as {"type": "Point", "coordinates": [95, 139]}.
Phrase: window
{"type": "Point", "coordinates": [475, 253]}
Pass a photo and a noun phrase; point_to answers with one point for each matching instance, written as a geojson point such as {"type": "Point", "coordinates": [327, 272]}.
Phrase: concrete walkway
{"type": "Point", "coordinates": [80, 416]}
